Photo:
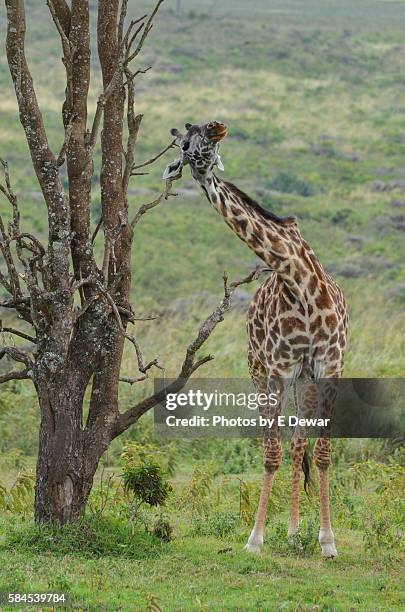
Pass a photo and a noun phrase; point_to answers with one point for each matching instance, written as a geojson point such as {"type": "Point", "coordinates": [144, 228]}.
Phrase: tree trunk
{"type": "Point", "coordinates": [65, 469]}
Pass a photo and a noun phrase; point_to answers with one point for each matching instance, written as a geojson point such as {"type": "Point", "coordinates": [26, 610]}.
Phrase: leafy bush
{"type": "Point", "coordinates": [288, 183]}
{"type": "Point", "coordinates": [144, 477]}
{"type": "Point", "coordinates": [147, 483]}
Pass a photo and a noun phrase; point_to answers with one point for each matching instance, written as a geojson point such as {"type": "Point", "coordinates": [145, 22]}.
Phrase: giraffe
{"type": "Point", "coordinates": [296, 324]}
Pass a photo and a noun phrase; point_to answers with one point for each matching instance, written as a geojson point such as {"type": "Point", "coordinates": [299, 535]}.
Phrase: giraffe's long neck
{"type": "Point", "coordinates": [275, 240]}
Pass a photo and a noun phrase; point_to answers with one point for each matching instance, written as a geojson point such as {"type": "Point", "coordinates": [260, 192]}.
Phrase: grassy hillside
{"type": "Point", "coordinates": [314, 95]}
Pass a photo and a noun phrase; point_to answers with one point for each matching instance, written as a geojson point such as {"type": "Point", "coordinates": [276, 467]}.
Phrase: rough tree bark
{"type": "Point", "coordinates": [79, 342]}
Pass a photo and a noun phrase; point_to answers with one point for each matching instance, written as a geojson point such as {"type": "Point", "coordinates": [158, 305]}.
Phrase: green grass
{"type": "Point", "coordinates": [103, 565]}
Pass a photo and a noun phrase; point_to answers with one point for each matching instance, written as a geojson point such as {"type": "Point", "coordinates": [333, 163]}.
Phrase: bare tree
{"type": "Point", "coordinates": [79, 309]}
{"type": "Point", "coordinates": [178, 7]}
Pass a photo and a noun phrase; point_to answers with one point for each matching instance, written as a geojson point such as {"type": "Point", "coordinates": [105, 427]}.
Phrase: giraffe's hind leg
{"type": "Point", "coordinates": [306, 402]}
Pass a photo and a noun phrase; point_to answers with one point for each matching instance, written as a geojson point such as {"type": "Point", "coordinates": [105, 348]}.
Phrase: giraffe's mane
{"type": "Point", "coordinates": [267, 214]}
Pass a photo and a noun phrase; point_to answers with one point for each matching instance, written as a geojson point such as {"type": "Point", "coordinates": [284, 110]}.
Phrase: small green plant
{"type": "Point", "coordinates": [305, 541]}
{"type": "Point", "coordinates": [163, 529]}
{"type": "Point", "coordinates": [18, 499]}
{"type": "Point", "coordinates": [144, 478]}
{"type": "Point", "coordinates": [220, 524]}
{"type": "Point", "coordinates": [147, 483]}
{"type": "Point", "coordinates": [248, 498]}
{"type": "Point", "coordinates": [196, 493]}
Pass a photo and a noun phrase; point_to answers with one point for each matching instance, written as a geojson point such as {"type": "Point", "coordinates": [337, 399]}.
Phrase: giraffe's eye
{"type": "Point", "coordinates": [186, 146]}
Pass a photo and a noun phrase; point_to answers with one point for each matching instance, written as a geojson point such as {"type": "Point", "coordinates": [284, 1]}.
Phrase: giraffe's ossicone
{"type": "Point", "coordinates": [296, 323]}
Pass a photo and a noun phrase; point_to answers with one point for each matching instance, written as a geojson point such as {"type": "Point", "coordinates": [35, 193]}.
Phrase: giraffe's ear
{"type": "Point", "coordinates": [173, 170]}
{"type": "Point", "coordinates": [175, 132]}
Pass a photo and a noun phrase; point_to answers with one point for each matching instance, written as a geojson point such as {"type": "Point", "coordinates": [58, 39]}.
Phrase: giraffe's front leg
{"type": "Point", "coordinates": [272, 460]}
{"type": "Point", "coordinates": [322, 458]}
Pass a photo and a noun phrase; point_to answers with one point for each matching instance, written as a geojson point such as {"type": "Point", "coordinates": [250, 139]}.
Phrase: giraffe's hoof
{"type": "Point", "coordinates": [329, 551]}
{"type": "Point", "coordinates": [254, 544]}
{"type": "Point", "coordinates": [253, 548]}
{"type": "Point", "coordinates": [292, 531]}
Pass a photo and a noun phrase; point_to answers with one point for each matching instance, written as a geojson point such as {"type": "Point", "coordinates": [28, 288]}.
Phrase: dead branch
{"type": "Point", "coordinates": [145, 207]}
{"type": "Point", "coordinates": [147, 29]}
{"type": "Point", "coordinates": [123, 14]}
{"type": "Point", "coordinates": [68, 134]}
{"type": "Point", "coordinates": [111, 237]}
{"type": "Point", "coordinates": [16, 332]}
{"type": "Point", "coordinates": [16, 354]}
{"type": "Point", "coordinates": [190, 363]}
{"type": "Point", "coordinates": [14, 234]}
{"type": "Point", "coordinates": [12, 285]}
{"type": "Point", "coordinates": [153, 159]}
{"type": "Point", "coordinates": [254, 275]}
{"type": "Point", "coordinates": [14, 303]}
{"type": "Point", "coordinates": [15, 375]}
{"type": "Point", "coordinates": [99, 224]}
{"type": "Point", "coordinates": [63, 14]}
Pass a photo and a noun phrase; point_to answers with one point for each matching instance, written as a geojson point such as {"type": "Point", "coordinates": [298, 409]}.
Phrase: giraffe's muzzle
{"type": "Point", "coordinates": [216, 131]}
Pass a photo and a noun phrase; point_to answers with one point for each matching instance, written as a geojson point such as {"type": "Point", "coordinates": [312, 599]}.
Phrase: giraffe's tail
{"type": "Point", "coordinates": [306, 468]}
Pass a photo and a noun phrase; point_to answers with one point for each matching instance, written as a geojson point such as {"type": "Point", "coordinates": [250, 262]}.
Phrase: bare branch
{"type": "Point", "coordinates": [62, 30]}
{"type": "Point", "coordinates": [16, 354]}
{"type": "Point", "coordinates": [121, 22]}
{"type": "Point", "coordinates": [63, 14]}
{"type": "Point", "coordinates": [16, 332]}
{"type": "Point", "coordinates": [145, 207]}
{"type": "Point", "coordinates": [68, 133]}
{"type": "Point", "coordinates": [147, 29]}
{"type": "Point", "coordinates": [15, 375]}
{"type": "Point", "coordinates": [153, 159]}
{"type": "Point", "coordinates": [134, 123]}
{"type": "Point", "coordinates": [151, 364]}
{"type": "Point", "coordinates": [254, 275]}
{"type": "Point", "coordinates": [99, 224]}
{"type": "Point", "coordinates": [12, 285]}
{"type": "Point", "coordinates": [190, 364]}
{"type": "Point", "coordinates": [13, 303]}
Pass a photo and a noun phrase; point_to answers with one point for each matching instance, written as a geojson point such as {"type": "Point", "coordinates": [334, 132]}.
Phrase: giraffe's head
{"type": "Point", "coordinates": [199, 149]}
